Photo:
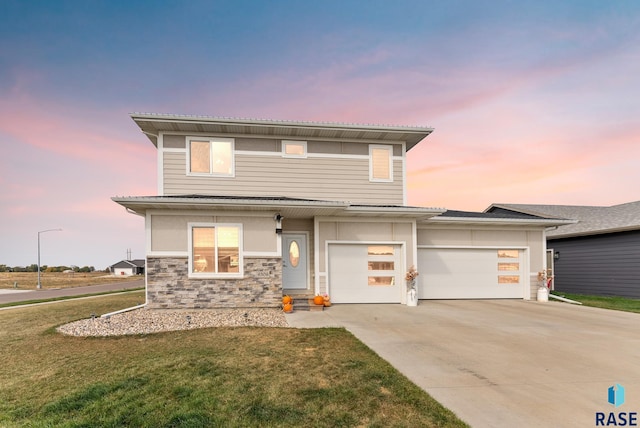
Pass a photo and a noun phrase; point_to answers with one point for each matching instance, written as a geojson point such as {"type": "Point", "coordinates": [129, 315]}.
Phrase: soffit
{"type": "Point", "coordinates": [153, 124]}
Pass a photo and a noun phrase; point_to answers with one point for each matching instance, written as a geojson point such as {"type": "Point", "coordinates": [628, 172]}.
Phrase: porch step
{"type": "Point", "coordinates": [304, 302]}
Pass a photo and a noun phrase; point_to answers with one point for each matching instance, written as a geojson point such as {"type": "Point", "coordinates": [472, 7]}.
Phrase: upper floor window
{"type": "Point", "coordinates": [380, 163]}
{"type": "Point", "coordinates": [211, 156]}
{"type": "Point", "coordinates": [297, 149]}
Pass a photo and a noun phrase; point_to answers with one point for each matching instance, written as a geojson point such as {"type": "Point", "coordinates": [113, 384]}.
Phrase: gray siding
{"type": "Point", "coordinates": [605, 265]}
{"type": "Point", "coordinates": [311, 178]}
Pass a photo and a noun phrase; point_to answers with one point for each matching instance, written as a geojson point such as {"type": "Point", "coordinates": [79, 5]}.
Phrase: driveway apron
{"type": "Point", "coordinates": [504, 363]}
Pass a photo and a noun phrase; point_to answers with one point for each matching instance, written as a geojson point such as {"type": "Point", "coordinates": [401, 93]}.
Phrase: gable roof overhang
{"type": "Point", "coordinates": [153, 124]}
{"type": "Point", "coordinates": [287, 207]}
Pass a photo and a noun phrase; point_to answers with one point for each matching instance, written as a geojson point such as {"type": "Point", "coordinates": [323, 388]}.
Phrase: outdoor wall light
{"type": "Point", "coordinates": [556, 255]}
{"type": "Point", "coordinates": [278, 218]}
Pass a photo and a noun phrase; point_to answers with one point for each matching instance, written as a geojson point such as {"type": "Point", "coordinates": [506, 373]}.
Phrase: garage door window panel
{"type": "Point", "coordinates": [508, 254]}
{"type": "Point", "coordinates": [381, 281]}
{"type": "Point", "coordinates": [380, 265]}
{"type": "Point", "coordinates": [380, 250]}
{"type": "Point", "coordinates": [507, 263]}
{"type": "Point", "coordinates": [509, 266]}
{"type": "Point", "coordinates": [384, 265]}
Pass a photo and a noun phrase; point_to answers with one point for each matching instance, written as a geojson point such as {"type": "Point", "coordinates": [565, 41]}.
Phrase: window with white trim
{"type": "Point", "coordinates": [211, 156]}
{"type": "Point", "coordinates": [215, 249]}
{"type": "Point", "coordinates": [294, 149]}
{"type": "Point", "coordinates": [380, 163]}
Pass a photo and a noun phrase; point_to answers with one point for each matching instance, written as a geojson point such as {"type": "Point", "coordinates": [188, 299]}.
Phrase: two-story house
{"type": "Point", "coordinates": [249, 210]}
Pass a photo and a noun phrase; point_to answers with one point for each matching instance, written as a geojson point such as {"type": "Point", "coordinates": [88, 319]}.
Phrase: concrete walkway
{"type": "Point", "coordinates": [503, 363]}
{"type": "Point", "coordinates": [11, 295]}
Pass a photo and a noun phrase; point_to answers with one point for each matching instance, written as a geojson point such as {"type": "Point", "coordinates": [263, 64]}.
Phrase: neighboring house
{"type": "Point", "coordinates": [599, 254]}
{"type": "Point", "coordinates": [128, 267]}
{"type": "Point", "coordinates": [247, 210]}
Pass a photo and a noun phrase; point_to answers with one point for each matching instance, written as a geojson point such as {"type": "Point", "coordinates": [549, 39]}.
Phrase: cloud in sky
{"type": "Point", "coordinates": [532, 102]}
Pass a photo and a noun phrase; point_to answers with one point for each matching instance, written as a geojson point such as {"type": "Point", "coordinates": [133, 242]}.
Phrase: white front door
{"type": "Point", "coordinates": [294, 261]}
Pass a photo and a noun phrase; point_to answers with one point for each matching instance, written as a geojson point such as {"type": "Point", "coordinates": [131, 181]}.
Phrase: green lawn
{"type": "Point", "coordinates": [198, 378]}
{"type": "Point", "coordinates": [616, 303]}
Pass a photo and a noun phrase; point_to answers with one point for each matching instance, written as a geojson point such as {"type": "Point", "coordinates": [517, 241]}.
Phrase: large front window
{"type": "Point", "coordinates": [211, 156]}
{"type": "Point", "coordinates": [215, 249]}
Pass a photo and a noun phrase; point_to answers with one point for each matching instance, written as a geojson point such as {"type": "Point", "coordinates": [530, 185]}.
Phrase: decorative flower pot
{"type": "Point", "coordinates": [543, 294]}
{"type": "Point", "coordinates": [412, 293]}
{"type": "Point", "coordinates": [412, 298]}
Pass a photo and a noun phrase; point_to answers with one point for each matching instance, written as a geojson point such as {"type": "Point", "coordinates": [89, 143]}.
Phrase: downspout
{"type": "Point", "coordinates": [124, 310]}
{"type": "Point", "coordinates": [564, 299]}
{"type": "Point", "coordinates": [130, 211]}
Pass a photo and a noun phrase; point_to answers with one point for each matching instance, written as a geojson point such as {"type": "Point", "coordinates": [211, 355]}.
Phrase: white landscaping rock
{"type": "Point", "coordinates": [145, 321]}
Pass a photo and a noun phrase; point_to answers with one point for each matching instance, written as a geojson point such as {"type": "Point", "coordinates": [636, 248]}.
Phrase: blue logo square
{"type": "Point", "coordinates": [616, 395]}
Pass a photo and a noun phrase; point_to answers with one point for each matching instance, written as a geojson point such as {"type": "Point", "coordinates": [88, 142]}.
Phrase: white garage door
{"type": "Point", "coordinates": [463, 273]}
{"type": "Point", "coordinates": [365, 273]}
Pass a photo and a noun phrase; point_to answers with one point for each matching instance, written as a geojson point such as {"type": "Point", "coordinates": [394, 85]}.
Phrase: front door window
{"type": "Point", "coordinates": [294, 253]}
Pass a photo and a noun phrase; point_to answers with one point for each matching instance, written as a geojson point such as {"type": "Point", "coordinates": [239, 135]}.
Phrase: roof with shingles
{"type": "Point", "coordinates": [129, 263]}
{"type": "Point", "coordinates": [591, 220]}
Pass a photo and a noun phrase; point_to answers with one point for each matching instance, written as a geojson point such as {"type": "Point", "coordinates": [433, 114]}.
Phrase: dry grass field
{"type": "Point", "coordinates": [29, 280]}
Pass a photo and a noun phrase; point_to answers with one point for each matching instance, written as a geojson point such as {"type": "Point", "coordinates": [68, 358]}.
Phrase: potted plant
{"type": "Point", "coordinates": [412, 287]}
{"type": "Point", "coordinates": [545, 283]}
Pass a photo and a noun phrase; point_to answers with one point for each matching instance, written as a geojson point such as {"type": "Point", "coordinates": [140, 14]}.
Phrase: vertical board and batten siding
{"type": "Point", "coordinates": [349, 231]}
{"type": "Point", "coordinates": [603, 265]}
{"type": "Point", "coordinates": [169, 232]}
{"type": "Point", "coordinates": [325, 178]}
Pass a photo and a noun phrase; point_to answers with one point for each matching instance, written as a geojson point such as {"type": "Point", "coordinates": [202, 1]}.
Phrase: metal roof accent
{"type": "Point", "coordinates": [485, 218]}
{"type": "Point", "coordinates": [152, 124]}
{"type": "Point", "coordinates": [289, 207]}
{"type": "Point", "coordinates": [589, 220]}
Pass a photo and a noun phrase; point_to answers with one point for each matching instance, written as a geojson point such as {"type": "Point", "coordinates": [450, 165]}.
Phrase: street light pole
{"type": "Point", "coordinates": [43, 231]}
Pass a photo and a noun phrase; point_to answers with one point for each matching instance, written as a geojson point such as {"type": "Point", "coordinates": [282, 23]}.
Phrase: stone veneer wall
{"type": "Point", "coordinates": [169, 287]}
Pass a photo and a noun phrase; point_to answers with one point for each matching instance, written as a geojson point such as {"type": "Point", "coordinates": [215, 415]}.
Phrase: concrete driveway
{"type": "Point", "coordinates": [503, 363]}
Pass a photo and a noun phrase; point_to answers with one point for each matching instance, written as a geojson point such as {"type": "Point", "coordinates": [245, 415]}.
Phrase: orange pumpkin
{"type": "Point", "coordinates": [286, 299]}
{"type": "Point", "coordinates": [287, 307]}
{"type": "Point", "coordinates": [318, 300]}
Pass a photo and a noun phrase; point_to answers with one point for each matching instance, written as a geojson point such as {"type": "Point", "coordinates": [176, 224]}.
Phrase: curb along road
{"type": "Point", "coordinates": [13, 296]}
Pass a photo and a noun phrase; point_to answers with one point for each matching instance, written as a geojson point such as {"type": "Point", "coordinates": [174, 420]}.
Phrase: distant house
{"type": "Point", "coordinates": [599, 254]}
{"type": "Point", "coordinates": [128, 267]}
{"type": "Point", "coordinates": [248, 210]}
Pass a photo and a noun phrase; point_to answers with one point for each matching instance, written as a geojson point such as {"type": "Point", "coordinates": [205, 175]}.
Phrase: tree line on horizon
{"type": "Point", "coordinates": [45, 268]}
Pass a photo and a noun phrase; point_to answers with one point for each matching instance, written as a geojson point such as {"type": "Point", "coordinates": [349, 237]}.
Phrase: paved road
{"type": "Point", "coordinates": [503, 363]}
{"type": "Point", "coordinates": [10, 295]}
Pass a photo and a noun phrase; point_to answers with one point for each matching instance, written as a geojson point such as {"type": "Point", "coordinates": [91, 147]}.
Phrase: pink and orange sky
{"type": "Point", "coordinates": [532, 102]}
